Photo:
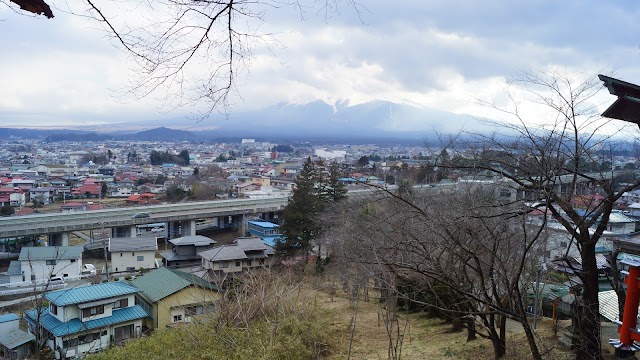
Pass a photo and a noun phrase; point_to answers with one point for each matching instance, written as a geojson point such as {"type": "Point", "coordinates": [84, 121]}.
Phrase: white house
{"type": "Point", "coordinates": [42, 194]}
{"type": "Point", "coordinates": [130, 254]}
{"type": "Point", "coordinates": [88, 319]}
{"type": "Point", "coordinates": [44, 262]}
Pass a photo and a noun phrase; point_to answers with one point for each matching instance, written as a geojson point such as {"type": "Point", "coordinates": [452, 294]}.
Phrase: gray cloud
{"type": "Point", "coordinates": [426, 52]}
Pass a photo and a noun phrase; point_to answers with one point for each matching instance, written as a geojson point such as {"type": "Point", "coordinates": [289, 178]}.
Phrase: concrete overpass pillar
{"type": "Point", "coordinates": [188, 227]}
{"type": "Point", "coordinates": [124, 231]}
{"type": "Point", "coordinates": [58, 239]}
{"type": "Point", "coordinates": [172, 229]}
{"type": "Point", "coordinates": [243, 225]}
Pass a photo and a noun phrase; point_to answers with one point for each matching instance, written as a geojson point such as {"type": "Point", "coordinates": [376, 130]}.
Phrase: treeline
{"type": "Point", "coordinates": [159, 158]}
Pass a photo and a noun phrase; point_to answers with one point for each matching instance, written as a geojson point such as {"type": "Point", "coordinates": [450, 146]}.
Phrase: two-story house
{"type": "Point", "coordinates": [171, 296]}
{"type": "Point", "coordinates": [242, 254]}
{"type": "Point", "coordinates": [88, 319]}
{"type": "Point", "coordinates": [43, 195]}
{"type": "Point", "coordinates": [184, 250]}
{"type": "Point", "coordinates": [131, 254]}
{"type": "Point", "coordinates": [44, 262]}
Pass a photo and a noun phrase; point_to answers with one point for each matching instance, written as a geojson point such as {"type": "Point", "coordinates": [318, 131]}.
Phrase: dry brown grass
{"type": "Point", "coordinates": [425, 338]}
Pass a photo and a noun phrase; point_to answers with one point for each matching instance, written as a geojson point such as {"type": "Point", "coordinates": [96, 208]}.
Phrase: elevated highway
{"type": "Point", "coordinates": [123, 217]}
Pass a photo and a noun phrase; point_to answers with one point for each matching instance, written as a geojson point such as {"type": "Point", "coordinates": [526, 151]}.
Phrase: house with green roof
{"type": "Point", "coordinates": [88, 319]}
{"type": "Point", "coordinates": [172, 297]}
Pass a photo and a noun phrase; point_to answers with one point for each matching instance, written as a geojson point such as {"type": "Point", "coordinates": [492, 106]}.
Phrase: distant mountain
{"type": "Point", "coordinates": [375, 121]}
{"type": "Point", "coordinates": [162, 134]}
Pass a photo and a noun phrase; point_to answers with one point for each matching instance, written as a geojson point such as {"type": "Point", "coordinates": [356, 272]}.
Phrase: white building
{"type": "Point", "coordinates": [131, 254]}
{"type": "Point", "coordinates": [44, 262]}
{"type": "Point", "coordinates": [333, 154]}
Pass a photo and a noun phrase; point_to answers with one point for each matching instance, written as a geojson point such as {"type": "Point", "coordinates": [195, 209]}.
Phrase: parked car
{"type": "Point", "coordinates": [55, 280]}
{"type": "Point", "coordinates": [141, 215]}
{"type": "Point", "coordinates": [88, 269]}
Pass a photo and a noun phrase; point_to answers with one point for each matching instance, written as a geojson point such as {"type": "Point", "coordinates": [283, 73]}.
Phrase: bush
{"type": "Point", "coordinates": [127, 277]}
{"type": "Point", "coordinates": [268, 317]}
{"type": "Point", "coordinates": [116, 279]}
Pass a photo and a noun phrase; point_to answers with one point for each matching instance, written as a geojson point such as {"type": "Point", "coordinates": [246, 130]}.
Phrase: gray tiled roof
{"type": "Point", "coordinates": [171, 256]}
{"type": "Point", "coordinates": [251, 244]}
{"type": "Point", "coordinates": [50, 253]}
{"type": "Point", "coordinates": [133, 244]}
{"type": "Point", "coordinates": [197, 240]}
{"type": "Point", "coordinates": [15, 338]}
{"type": "Point", "coordinates": [224, 253]}
{"type": "Point", "coordinates": [15, 268]}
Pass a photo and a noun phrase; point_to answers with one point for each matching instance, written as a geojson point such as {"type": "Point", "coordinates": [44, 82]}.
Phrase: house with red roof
{"type": "Point", "coordinates": [146, 198]}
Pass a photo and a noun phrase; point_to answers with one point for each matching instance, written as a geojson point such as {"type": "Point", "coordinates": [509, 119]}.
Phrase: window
{"type": "Point", "coordinates": [92, 311]}
{"type": "Point", "coordinates": [563, 244]}
{"type": "Point", "coordinates": [73, 260]}
{"type": "Point", "coordinates": [53, 309]}
{"type": "Point", "coordinates": [224, 264]}
{"type": "Point", "coordinates": [133, 254]}
{"type": "Point", "coordinates": [237, 263]}
{"type": "Point", "coordinates": [140, 258]}
{"type": "Point", "coordinates": [120, 254]}
{"type": "Point", "coordinates": [177, 318]}
{"type": "Point", "coordinates": [248, 262]}
{"type": "Point", "coordinates": [51, 262]}
{"type": "Point", "coordinates": [70, 343]}
{"type": "Point", "coordinates": [122, 303]}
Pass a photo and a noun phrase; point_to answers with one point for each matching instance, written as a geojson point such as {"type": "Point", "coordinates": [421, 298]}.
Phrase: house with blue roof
{"type": "Point", "coordinates": [88, 319]}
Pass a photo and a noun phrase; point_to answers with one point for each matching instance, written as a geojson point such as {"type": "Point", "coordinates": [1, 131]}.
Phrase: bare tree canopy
{"type": "Point", "coordinates": [193, 53]}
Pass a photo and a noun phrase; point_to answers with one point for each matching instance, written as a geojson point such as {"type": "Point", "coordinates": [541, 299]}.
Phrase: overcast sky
{"type": "Point", "coordinates": [426, 53]}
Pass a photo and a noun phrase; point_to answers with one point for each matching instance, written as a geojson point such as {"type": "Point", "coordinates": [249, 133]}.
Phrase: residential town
{"type": "Point", "coordinates": [104, 287]}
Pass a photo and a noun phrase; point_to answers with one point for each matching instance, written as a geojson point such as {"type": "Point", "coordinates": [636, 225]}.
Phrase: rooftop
{"type": "Point", "coordinates": [73, 326]}
{"type": "Point", "coordinates": [224, 253]}
{"type": "Point", "coordinates": [162, 282]}
{"type": "Point", "coordinates": [8, 317]}
{"type": "Point", "coordinates": [50, 253]}
{"type": "Point", "coordinates": [15, 338]}
{"type": "Point", "coordinates": [89, 293]}
{"type": "Point", "coordinates": [197, 240]}
{"type": "Point", "coordinates": [142, 243]}
{"type": "Point", "coordinates": [264, 224]}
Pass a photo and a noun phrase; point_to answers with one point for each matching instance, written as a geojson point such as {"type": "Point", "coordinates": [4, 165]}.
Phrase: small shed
{"type": "Point", "coordinates": [14, 343]}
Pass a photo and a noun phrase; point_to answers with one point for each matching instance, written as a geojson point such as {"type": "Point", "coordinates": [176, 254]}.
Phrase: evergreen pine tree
{"type": "Point", "coordinates": [300, 225]}
{"type": "Point", "coordinates": [333, 189]}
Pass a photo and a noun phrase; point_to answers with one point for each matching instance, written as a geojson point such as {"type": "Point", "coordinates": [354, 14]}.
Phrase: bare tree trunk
{"type": "Point", "coordinates": [471, 328]}
{"type": "Point", "coordinates": [588, 321]}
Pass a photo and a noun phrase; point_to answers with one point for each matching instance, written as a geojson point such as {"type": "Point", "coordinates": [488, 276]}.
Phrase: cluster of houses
{"type": "Point", "coordinates": [86, 319]}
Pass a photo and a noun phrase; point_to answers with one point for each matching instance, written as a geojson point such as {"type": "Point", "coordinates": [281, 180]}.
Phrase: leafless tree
{"type": "Point", "coordinates": [553, 162]}
{"type": "Point", "coordinates": [194, 52]}
{"type": "Point", "coordinates": [454, 245]}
